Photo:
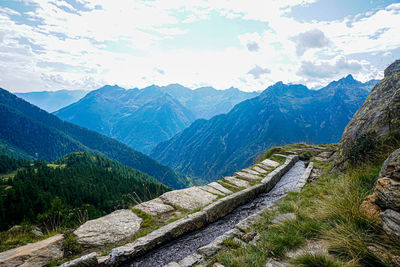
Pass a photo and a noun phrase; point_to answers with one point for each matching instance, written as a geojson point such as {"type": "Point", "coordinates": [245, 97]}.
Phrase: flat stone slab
{"type": "Point", "coordinates": [260, 170]}
{"type": "Point", "coordinates": [114, 227]}
{"type": "Point", "coordinates": [212, 190]}
{"type": "Point", "coordinates": [251, 171]}
{"type": "Point", "coordinates": [270, 163]}
{"type": "Point", "coordinates": [237, 182]}
{"type": "Point", "coordinates": [154, 207]}
{"type": "Point", "coordinates": [248, 175]}
{"type": "Point", "coordinates": [34, 254]}
{"type": "Point", "coordinates": [220, 188]}
{"type": "Point", "coordinates": [189, 198]}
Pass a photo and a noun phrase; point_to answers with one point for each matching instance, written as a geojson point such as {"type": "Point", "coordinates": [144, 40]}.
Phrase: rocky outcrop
{"type": "Point", "coordinates": [391, 222]}
{"type": "Point", "coordinates": [84, 261]}
{"type": "Point", "coordinates": [35, 254]}
{"type": "Point", "coordinates": [380, 114]}
{"type": "Point", "coordinates": [114, 227]}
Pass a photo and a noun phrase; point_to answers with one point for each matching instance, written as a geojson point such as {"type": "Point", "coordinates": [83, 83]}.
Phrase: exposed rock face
{"type": "Point", "coordinates": [114, 227]}
{"type": "Point", "coordinates": [391, 166]}
{"type": "Point", "coordinates": [189, 198]}
{"type": "Point", "coordinates": [84, 261]}
{"type": "Point", "coordinates": [388, 193]}
{"type": "Point", "coordinates": [369, 207]}
{"type": "Point", "coordinates": [35, 254]}
{"type": "Point", "coordinates": [379, 114]}
{"type": "Point", "coordinates": [391, 222]}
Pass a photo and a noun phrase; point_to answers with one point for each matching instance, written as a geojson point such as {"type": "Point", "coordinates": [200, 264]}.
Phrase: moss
{"type": "Point", "coordinates": [148, 220]}
{"type": "Point", "coordinates": [71, 245]}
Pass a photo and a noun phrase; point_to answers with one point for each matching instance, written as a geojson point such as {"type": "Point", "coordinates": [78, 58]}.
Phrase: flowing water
{"type": "Point", "coordinates": [187, 244]}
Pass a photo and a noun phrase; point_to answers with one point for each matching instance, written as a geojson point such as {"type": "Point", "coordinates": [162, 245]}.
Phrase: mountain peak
{"type": "Point", "coordinates": [394, 67]}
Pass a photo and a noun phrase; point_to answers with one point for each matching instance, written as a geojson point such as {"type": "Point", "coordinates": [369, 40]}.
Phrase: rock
{"type": "Point", "coordinates": [239, 241]}
{"type": "Point", "coordinates": [247, 175]}
{"type": "Point", "coordinates": [274, 263]}
{"type": "Point", "coordinates": [217, 264]}
{"type": "Point", "coordinates": [191, 260]}
{"type": "Point", "coordinates": [172, 264]}
{"type": "Point", "coordinates": [391, 222]}
{"type": "Point", "coordinates": [220, 188]}
{"type": "Point", "coordinates": [369, 208]}
{"type": "Point", "coordinates": [102, 260]}
{"type": "Point", "coordinates": [84, 261]}
{"type": "Point", "coordinates": [247, 237]}
{"type": "Point", "coordinates": [255, 240]}
{"type": "Point", "coordinates": [237, 182]}
{"type": "Point", "coordinates": [264, 167]}
{"type": "Point", "coordinates": [326, 154]}
{"type": "Point", "coordinates": [189, 198]}
{"type": "Point", "coordinates": [284, 217]}
{"type": "Point", "coordinates": [37, 231]}
{"type": "Point", "coordinates": [154, 207]}
{"type": "Point", "coordinates": [254, 172]}
{"type": "Point", "coordinates": [388, 193]}
{"type": "Point", "coordinates": [391, 166]}
{"type": "Point", "coordinates": [315, 247]}
{"type": "Point", "coordinates": [380, 114]}
{"type": "Point", "coordinates": [270, 163]}
{"type": "Point", "coordinates": [260, 170]}
{"type": "Point", "coordinates": [114, 227]}
{"type": "Point", "coordinates": [15, 228]}
{"type": "Point", "coordinates": [34, 254]}
{"type": "Point", "coordinates": [211, 190]}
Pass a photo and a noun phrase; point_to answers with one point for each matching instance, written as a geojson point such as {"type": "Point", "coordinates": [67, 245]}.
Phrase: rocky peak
{"type": "Point", "coordinates": [393, 68]}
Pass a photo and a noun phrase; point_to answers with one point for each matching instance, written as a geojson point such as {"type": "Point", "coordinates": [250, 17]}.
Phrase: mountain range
{"type": "Point", "coordinates": [142, 118]}
{"type": "Point", "coordinates": [282, 114]}
{"type": "Point", "coordinates": [30, 132]}
{"type": "Point", "coordinates": [52, 100]}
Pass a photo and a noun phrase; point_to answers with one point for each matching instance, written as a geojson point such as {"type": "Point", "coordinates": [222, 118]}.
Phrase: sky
{"type": "Point", "coordinates": [250, 45]}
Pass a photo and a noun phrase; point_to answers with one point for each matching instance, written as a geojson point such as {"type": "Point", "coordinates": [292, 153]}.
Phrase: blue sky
{"type": "Point", "coordinates": [84, 44]}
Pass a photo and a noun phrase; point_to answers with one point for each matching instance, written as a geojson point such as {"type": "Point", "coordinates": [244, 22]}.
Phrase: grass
{"type": "Point", "coordinates": [327, 210]}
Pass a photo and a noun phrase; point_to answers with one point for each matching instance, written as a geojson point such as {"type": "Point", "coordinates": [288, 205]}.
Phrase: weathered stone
{"type": "Point", "coordinates": [260, 170]}
{"type": "Point", "coordinates": [369, 208]}
{"type": "Point", "coordinates": [114, 227]}
{"type": "Point", "coordinates": [247, 175]}
{"type": "Point", "coordinates": [102, 260]}
{"type": "Point", "coordinates": [284, 217]}
{"type": "Point", "coordinates": [34, 254]}
{"type": "Point", "coordinates": [274, 263]}
{"type": "Point", "coordinates": [237, 182]}
{"type": "Point", "coordinates": [217, 264]}
{"type": "Point", "coordinates": [391, 166]}
{"type": "Point", "coordinates": [211, 190]}
{"type": "Point", "coordinates": [154, 207]}
{"type": "Point", "coordinates": [220, 188]}
{"type": "Point", "coordinates": [304, 177]}
{"type": "Point", "coordinates": [251, 172]}
{"type": "Point", "coordinates": [212, 248]}
{"type": "Point", "coordinates": [262, 166]}
{"type": "Point", "coordinates": [270, 163]}
{"type": "Point", "coordinates": [315, 247]}
{"type": "Point", "coordinates": [388, 193]}
{"type": "Point", "coordinates": [255, 240]}
{"type": "Point", "coordinates": [172, 264]}
{"type": "Point", "coordinates": [37, 231]}
{"type": "Point", "coordinates": [191, 260]}
{"type": "Point", "coordinates": [247, 237]}
{"type": "Point", "coordinates": [84, 261]}
{"type": "Point", "coordinates": [189, 198]}
{"type": "Point", "coordinates": [391, 222]}
{"type": "Point", "coordinates": [326, 154]}
{"type": "Point", "coordinates": [15, 228]}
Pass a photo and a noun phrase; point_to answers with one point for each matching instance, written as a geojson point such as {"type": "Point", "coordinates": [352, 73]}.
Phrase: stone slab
{"type": "Point", "coordinates": [220, 188]}
{"type": "Point", "coordinates": [247, 175]}
{"type": "Point", "coordinates": [251, 171]}
{"type": "Point", "coordinates": [154, 207]}
{"type": "Point", "coordinates": [114, 227]}
{"type": "Point", "coordinates": [260, 170]}
{"type": "Point", "coordinates": [270, 163]}
{"type": "Point", "coordinates": [212, 190]}
{"type": "Point", "coordinates": [189, 198]}
{"type": "Point", "coordinates": [237, 182]}
{"type": "Point", "coordinates": [34, 254]}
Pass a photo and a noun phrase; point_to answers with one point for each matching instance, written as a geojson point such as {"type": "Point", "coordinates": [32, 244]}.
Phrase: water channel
{"type": "Point", "coordinates": [187, 244]}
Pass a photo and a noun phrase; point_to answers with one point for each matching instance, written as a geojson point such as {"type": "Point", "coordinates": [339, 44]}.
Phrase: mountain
{"type": "Point", "coordinates": [142, 118]}
{"type": "Point", "coordinates": [77, 181]}
{"type": "Point", "coordinates": [34, 132]}
{"type": "Point", "coordinates": [377, 121]}
{"type": "Point", "coordinates": [52, 100]}
{"type": "Point", "coordinates": [282, 114]}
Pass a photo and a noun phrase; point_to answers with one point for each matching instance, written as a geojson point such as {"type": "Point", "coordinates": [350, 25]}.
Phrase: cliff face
{"type": "Point", "coordinates": [379, 115]}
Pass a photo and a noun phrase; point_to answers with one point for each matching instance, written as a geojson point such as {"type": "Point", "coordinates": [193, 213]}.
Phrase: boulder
{"type": "Point", "coordinates": [369, 208]}
{"type": "Point", "coordinates": [388, 193]}
{"type": "Point", "coordinates": [391, 222]}
{"type": "Point", "coordinates": [34, 254]}
{"type": "Point", "coordinates": [114, 227]}
{"type": "Point", "coordinates": [154, 207]}
{"type": "Point", "coordinates": [189, 198]}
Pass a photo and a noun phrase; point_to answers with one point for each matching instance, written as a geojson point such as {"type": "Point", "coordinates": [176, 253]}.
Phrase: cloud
{"type": "Point", "coordinates": [258, 71]}
{"type": "Point", "coordinates": [310, 39]}
{"type": "Point", "coordinates": [324, 69]}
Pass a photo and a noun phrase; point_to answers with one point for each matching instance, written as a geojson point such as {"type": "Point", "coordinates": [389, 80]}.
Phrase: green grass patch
{"type": "Point", "coordinates": [316, 260]}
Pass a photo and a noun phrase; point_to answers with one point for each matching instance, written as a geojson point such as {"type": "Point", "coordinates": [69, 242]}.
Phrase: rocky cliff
{"type": "Point", "coordinates": [377, 119]}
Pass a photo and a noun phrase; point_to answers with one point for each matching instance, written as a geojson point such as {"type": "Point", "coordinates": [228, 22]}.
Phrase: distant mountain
{"type": "Point", "coordinates": [52, 100]}
{"type": "Point", "coordinates": [142, 118]}
{"type": "Point", "coordinates": [282, 114]}
{"type": "Point", "coordinates": [31, 131]}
